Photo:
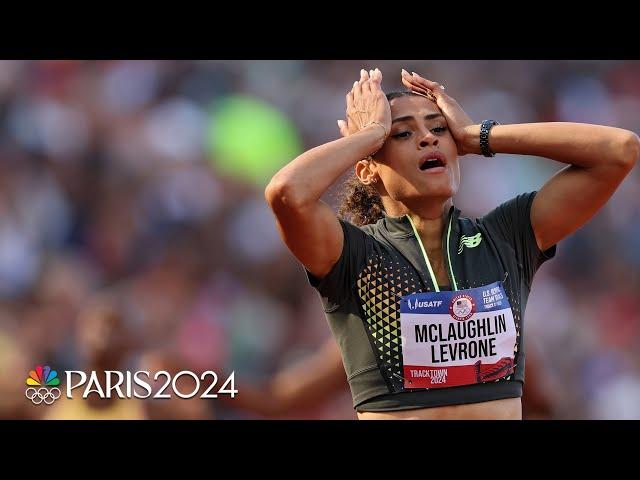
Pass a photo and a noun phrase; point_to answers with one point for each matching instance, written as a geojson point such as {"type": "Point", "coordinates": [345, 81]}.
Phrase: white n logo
{"type": "Point", "coordinates": [470, 242]}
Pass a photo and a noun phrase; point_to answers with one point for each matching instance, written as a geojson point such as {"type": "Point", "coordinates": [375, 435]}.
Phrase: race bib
{"type": "Point", "coordinates": [457, 338]}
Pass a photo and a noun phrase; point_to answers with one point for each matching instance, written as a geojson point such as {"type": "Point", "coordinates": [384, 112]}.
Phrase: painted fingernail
{"type": "Point", "coordinates": [404, 72]}
{"type": "Point", "coordinates": [363, 72]}
{"type": "Point", "coordinates": [355, 84]}
{"type": "Point", "coordinates": [414, 74]}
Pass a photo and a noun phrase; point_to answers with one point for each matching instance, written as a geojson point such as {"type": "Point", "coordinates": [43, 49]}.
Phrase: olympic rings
{"type": "Point", "coordinates": [42, 394]}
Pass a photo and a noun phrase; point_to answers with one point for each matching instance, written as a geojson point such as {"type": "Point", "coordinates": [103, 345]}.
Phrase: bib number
{"type": "Point", "coordinates": [457, 338]}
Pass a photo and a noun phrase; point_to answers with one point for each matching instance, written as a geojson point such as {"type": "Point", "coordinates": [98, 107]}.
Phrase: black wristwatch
{"type": "Point", "coordinates": [485, 128]}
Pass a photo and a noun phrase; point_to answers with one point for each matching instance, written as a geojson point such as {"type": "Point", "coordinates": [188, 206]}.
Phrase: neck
{"type": "Point", "coordinates": [428, 217]}
{"type": "Point", "coordinates": [430, 231]}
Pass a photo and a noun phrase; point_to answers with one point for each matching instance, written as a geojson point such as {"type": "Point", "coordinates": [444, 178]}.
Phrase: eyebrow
{"type": "Point", "coordinates": [431, 116]}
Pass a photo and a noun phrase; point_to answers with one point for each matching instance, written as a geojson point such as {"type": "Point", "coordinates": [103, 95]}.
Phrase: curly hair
{"type": "Point", "coordinates": [361, 204]}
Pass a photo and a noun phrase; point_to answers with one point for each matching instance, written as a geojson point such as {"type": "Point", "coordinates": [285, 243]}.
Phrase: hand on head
{"type": "Point", "coordinates": [457, 119]}
{"type": "Point", "coordinates": [367, 105]}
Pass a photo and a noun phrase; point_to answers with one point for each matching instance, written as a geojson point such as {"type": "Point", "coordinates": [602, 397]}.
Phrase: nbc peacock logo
{"type": "Point", "coordinates": [46, 380]}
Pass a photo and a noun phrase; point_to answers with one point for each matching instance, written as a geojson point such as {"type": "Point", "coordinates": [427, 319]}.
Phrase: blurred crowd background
{"type": "Point", "coordinates": [134, 234]}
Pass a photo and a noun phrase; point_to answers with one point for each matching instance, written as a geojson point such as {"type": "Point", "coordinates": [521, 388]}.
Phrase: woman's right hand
{"type": "Point", "coordinates": [367, 105]}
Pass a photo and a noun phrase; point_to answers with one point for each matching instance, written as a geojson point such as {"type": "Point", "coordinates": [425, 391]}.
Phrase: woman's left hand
{"type": "Point", "coordinates": [460, 125]}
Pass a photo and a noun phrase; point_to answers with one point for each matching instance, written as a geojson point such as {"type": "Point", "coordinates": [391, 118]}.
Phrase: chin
{"type": "Point", "coordinates": [444, 195]}
{"type": "Point", "coordinates": [438, 191]}
{"type": "Point", "coordinates": [428, 195]}
{"type": "Point", "coordinates": [419, 190]}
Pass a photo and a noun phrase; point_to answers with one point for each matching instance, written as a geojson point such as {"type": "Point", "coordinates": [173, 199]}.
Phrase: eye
{"type": "Point", "coordinates": [439, 129]}
{"type": "Point", "coordinates": [402, 135]}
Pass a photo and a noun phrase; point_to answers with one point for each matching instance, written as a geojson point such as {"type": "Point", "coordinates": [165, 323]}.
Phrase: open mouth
{"type": "Point", "coordinates": [429, 164]}
{"type": "Point", "coordinates": [432, 160]}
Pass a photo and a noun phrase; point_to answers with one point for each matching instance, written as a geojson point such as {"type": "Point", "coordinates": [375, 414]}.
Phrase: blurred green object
{"type": "Point", "coordinates": [249, 139]}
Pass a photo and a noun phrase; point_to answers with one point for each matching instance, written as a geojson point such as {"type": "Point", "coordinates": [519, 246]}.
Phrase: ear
{"type": "Point", "coordinates": [366, 171]}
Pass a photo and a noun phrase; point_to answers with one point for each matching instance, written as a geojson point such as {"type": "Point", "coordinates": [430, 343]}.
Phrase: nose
{"type": "Point", "coordinates": [428, 139]}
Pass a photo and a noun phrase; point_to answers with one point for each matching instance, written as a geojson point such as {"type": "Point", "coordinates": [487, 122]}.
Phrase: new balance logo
{"type": "Point", "coordinates": [470, 242]}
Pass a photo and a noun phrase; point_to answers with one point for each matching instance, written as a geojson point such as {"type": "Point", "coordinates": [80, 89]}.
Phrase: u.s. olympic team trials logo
{"type": "Point", "coordinates": [462, 307]}
{"type": "Point", "coordinates": [46, 380]}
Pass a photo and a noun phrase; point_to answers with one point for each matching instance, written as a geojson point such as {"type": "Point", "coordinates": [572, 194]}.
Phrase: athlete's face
{"type": "Point", "coordinates": [419, 133]}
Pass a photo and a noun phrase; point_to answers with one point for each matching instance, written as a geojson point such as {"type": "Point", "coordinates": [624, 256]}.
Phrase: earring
{"type": "Point", "coordinates": [375, 180]}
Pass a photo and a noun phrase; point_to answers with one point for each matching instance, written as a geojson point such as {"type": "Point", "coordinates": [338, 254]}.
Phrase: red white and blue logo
{"type": "Point", "coordinates": [462, 307]}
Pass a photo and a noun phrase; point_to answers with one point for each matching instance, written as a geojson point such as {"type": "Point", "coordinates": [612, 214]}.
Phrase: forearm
{"type": "Point", "coordinates": [582, 145]}
{"type": "Point", "coordinates": [306, 178]}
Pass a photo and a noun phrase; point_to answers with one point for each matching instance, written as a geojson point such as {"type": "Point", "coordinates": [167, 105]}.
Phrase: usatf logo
{"type": "Point", "coordinates": [47, 380]}
{"type": "Point", "coordinates": [470, 242]}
